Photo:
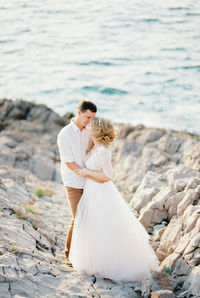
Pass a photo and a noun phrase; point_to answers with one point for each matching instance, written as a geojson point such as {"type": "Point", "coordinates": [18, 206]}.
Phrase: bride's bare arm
{"type": "Point", "coordinates": [99, 177]}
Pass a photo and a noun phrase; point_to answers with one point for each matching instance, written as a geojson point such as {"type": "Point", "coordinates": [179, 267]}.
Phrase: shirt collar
{"type": "Point", "coordinates": [75, 127]}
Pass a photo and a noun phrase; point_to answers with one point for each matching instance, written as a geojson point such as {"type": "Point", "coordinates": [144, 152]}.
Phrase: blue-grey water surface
{"type": "Point", "coordinates": [138, 60]}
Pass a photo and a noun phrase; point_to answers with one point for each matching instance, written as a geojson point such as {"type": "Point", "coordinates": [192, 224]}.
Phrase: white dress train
{"type": "Point", "coordinates": [108, 241]}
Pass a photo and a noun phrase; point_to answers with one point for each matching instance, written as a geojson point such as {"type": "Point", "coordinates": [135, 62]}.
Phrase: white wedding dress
{"type": "Point", "coordinates": [108, 241]}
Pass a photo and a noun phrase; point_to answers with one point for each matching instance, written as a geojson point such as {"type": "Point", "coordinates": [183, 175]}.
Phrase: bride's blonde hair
{"type": "Point", "coordinates": [103, 131]}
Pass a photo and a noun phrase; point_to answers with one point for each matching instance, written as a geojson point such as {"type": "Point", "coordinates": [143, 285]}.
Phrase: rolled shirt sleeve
{"type": "Point", "coordinates": [65, 149]}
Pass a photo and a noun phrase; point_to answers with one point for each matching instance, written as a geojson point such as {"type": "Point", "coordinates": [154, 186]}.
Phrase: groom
{"type": "Point", "coordinates": [73, 142]}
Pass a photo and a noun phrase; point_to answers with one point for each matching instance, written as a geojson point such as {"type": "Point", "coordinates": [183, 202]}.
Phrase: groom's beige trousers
{"type": "Point", "coordinates": [74, 195]}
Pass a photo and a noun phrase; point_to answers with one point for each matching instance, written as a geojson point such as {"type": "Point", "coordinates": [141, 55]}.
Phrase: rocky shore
{"type": "Point", "coordinates": [156, 170]}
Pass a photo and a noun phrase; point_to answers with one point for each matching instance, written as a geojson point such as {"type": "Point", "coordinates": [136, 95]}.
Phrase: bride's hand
{"type": "Point", "coordinates": [82, 172]}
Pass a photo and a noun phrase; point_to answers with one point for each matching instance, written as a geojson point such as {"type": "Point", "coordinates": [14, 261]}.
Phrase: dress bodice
{"type": "Point", "coordinates": [93, 161]}
{"type": "Point", "coordinates": [99, 160]}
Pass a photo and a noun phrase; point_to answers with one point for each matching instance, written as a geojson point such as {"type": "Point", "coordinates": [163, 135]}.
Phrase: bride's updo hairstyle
{"type": "Point", "coordinates": [103, 132]}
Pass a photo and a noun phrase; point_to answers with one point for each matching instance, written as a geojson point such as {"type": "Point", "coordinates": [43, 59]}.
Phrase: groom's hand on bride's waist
{"type": "Point", "coordinates": [81, 172]}
{"type": "Point", "coordinates": [84, 172]}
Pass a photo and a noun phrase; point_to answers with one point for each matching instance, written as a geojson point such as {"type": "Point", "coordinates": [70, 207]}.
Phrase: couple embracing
{"type": "Point", "coordinates": [105, 239]}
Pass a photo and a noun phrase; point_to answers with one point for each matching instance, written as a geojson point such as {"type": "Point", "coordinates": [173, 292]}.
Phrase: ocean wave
{"type": "Point", "coordinates": [136, 56]}
{"type": "Point", "coordinates": [105, 90]}
{"type": "Point", "coordinates": [96, 63]}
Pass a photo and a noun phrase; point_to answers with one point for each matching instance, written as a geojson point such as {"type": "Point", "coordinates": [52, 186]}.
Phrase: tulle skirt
{"type": "Point", "coordinates": [108, 241]}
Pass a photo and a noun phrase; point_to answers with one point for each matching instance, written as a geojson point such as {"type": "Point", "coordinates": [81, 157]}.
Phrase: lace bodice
{"type": "Point", "coordinates": [100, 160]}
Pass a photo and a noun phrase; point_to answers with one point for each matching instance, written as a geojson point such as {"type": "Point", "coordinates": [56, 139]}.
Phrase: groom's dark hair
{"type": "Point", "coordinates": [85, 105]}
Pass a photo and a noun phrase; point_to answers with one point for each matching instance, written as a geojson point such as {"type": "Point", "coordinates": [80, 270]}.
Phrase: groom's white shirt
{"type": "Point", "coordinates": [72, 144]}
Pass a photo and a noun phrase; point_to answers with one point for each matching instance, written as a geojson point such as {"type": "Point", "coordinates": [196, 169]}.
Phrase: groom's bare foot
{"type": "Point", "coordinates": [67, 262]}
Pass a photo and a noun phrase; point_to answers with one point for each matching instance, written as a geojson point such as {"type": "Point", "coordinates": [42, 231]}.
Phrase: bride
{"type": "Point", "coordinates": [108, 241]}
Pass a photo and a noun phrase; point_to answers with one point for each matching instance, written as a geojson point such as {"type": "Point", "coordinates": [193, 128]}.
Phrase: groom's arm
{"type": "Point", "coordinates": [74, 167]}
{"type": "Point", "coordinates": [99, 177]}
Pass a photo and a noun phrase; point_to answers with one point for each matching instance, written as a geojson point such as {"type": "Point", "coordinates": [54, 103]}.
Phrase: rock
{"type": "Point", "coordinates": [193, 258]}
{"type": "Point", "coordinates": [170, 145]}
{"type": "Point", "coordinates": [158, 231]}
{"type": "Point", "coordinates": [147, 189]}
{"type": "Point", "coordinates": [6, 141]}
{"type": "Point", "coordinates": [43, 168]}
{"type": "Point", "coordinates": [23, 110]}
{"type": "Point", "coordinates": [8, 159]}
{"type": "Point", "coordinates": [182, 244]}
{"type": "Point", "coordinates": [191, 156]}
{"type": "Point", "coordinates": [157, 169]}
{"type": "Point", "coordinates": [163, 294]}
{"type": "Point", "coordinates": [159, 159]}
{"type": "Point", "coordinates": [194, 242]}
{"type": "Point", "coordinates": [169, 262]}
{"type": "Point", "coordinates": [190, 217]}
{"type": "Point", "coordinates": [4, 290]}
{"type": "Point", "coordinates": [154, 211]}
{"type": "Point", "coordinates": [25, 287]}
{"type": "Point", "coordinates": [179, 175]}
{"type": "Point", "coordinates": [129, 162]}
{"type": "Point", "coordinates": [183, 294]}
{"type": "Point", "coordinates": [181, 268]}
{"type": "Point", "coordinates": [142, 197]}
{"type": "Point", "coordinates": [193, 282]}
{"type": "Point", "coordinates": [124, 130]}
{"type": "Point", "coordinates": [172, 202]}
{"type": "Point", "coordinates": [156, 282]}
{"type": "Point", "coordinates": [27, 265]}
{"type": "Point", "coordinates": [171, 236]}
{"type": "Point", "coordinates": [188, 199]}
{"type": "Point", "coordinates": [150, 135]}
{"type": "Point", "coordinates": [10, 273]}
{"type": "Point", "coordinates": [16, 191]}
{"type": "Point", "coordinates": [193, 182]}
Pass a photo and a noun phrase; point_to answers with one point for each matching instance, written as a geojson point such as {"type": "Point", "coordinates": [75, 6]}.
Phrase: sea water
{"type": "Point", "coordinates": [139, 61]}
